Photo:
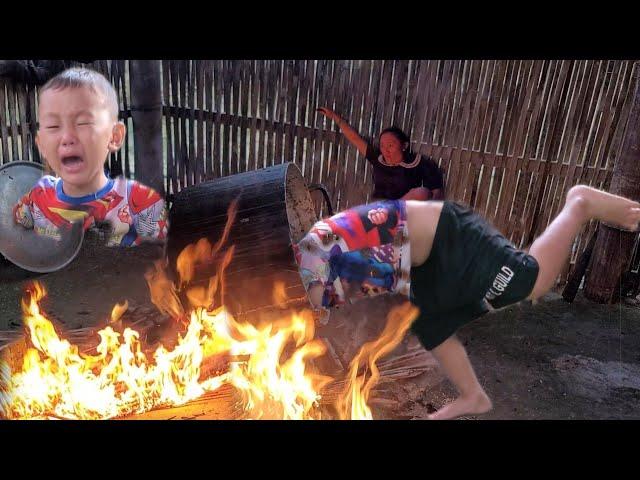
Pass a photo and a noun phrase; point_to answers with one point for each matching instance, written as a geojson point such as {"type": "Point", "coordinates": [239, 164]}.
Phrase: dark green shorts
{"type": "Point", "coordinates": [470, 264]}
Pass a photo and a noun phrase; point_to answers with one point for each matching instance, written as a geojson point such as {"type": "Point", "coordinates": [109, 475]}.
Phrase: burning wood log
{"type": "Point", "coordinates": [408, 365]}
{"type": "Point", "coordinates": [221, 404]}
{"type": "Point", "coordinates": [334, 363]}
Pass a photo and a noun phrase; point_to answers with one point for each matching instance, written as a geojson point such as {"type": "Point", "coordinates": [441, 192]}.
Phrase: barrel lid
{"type": "Point", "coordinates": [22, 246]}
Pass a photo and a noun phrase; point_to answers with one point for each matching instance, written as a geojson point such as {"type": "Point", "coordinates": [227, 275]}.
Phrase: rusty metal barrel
{"type": "Point", "coordinates": [275, 210]}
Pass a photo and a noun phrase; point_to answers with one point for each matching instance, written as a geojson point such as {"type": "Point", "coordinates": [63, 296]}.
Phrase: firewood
{"type": "Point", "coordinates": [383, 402]}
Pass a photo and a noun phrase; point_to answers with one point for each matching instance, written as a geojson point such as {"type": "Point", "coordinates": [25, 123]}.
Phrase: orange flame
{"type": "Point", "coordinates": [274, 378]}
{"type": "Point", "coordinates": [5, 379]}
{"type": "Point", "coordinates": [280, 296]}
{"type": "Point", "coordinates": [273, 387]}
{"type": "Point", "coordinates": [163, 291]}
{"type": "Point", "coordinates": [353, 403]}
{"type": "Point", "coordinates": [193, 254]}
{"type": "Point", "coordinates": [118, 311]}
{"type": "Point", "coordinates": [57, 381]}
{"type": "Point", "coordinates": [202, 251]}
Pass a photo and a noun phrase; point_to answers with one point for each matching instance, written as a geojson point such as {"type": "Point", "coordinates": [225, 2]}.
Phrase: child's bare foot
{"type": "Point", "coordinates": [472, 405]}
{"type": "Point", "coordinates": [611, 209]}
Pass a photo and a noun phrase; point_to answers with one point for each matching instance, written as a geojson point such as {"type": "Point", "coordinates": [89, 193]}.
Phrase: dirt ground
{"type": "Point", "coordinates": [552, 360]}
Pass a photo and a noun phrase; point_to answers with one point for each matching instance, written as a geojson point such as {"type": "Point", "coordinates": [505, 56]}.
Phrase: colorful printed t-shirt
{"type": "Point", "coordinates": [367, 246]}
{"type": "Point", "coordinates": [134, 212]}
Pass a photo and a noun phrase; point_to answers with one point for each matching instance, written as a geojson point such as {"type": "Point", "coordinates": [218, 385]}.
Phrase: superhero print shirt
{"type": "Point", "coordinates": [366, 246]}
{"type": "Point", "coordinates": [133, 212]}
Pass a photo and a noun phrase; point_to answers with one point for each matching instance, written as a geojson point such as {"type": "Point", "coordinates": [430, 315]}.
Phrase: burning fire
{"type": "Point", "coordinates": [353, 403]}
{"type": "Point", "coordinates": [57, 381]}
{"type": "Point", "coordinates": [269, 366]}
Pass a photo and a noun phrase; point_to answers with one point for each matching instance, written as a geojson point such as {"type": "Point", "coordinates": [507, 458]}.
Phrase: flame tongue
{"type": "Point", "coordinates": [57, 381]}
{"type": "Point", "coordinates": [271, 371]}
{"type": "Point", "coordinates": [353, 403]}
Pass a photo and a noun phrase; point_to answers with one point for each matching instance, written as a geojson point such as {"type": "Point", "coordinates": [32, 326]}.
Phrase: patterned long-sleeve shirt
{"type": "Point", "coordinates": [367, 246]}
{"type": "Point", "coordinates": [134, 212]}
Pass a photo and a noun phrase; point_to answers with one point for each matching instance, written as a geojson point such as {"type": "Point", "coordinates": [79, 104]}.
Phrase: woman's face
{"type": "Point", "coordinates": [392, 149]}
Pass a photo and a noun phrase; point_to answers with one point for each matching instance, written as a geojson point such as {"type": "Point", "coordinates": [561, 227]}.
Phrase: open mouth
{"type": "Point", "coordinates": [71, 161]}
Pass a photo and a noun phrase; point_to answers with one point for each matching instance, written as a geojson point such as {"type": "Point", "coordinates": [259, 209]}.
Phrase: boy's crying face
{"type": "Point", "coordinates": [76, 133]}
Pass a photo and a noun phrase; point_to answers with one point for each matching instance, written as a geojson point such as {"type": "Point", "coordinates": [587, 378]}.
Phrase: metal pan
{"type": "Point", "coordinates": [22, 246]}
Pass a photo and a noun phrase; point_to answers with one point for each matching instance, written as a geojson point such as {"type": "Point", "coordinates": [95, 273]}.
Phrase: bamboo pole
{"type": "Point", "coordinates": [613, 248]}
{"type": "Point", "coordinates": [146, 110]}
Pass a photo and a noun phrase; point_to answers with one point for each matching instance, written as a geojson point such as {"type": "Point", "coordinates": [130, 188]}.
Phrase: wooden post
{"type": "Point", "coordinates": [579, 270]}
{"type": "Point", "coordinates": [614, 248]}
{"type": "Point", "coordinates": [146, 110]}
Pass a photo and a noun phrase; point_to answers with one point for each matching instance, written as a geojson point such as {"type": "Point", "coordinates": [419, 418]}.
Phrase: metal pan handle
{"type": "Point", "coordinates": [325, 194]}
